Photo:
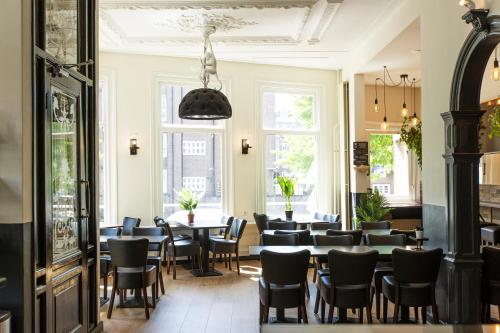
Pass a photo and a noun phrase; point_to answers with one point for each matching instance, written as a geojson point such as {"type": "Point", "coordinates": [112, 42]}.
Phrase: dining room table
{"type": "Point", "coordinates": [384, 254]}
{"type": "Point", "coordinates": [379, 232]}
{"type": "Point", "coordinates": [137, 301]}
{"type": "Point", "coordinates": [204, 226]}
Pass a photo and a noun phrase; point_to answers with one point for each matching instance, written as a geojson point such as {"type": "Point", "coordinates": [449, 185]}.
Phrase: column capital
{"type": "Point", "coordinates": [462, 131]}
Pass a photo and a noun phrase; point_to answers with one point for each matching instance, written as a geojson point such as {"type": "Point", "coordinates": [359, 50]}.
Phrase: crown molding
{"type": "Point", "coordinates": [204, 4]}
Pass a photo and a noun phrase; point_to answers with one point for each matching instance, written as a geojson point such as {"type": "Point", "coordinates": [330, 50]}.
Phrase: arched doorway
{"type": "Point", "coordinates": [462, 155]}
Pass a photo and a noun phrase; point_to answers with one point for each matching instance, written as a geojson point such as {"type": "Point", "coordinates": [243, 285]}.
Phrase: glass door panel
{"type": "Point", "coordinates": [65, 204]}
{"type": "Point", "coordinates": [61, 30]}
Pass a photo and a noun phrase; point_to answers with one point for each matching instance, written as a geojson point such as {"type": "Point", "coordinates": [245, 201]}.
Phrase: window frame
{"type": "Point", "coordinates": [323, 145]}
{"type": "Point", "coordinates": [222, 129]}
{"type": "Point", "coordinates": [110, 157]}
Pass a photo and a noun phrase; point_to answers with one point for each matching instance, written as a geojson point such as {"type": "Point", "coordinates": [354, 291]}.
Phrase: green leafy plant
{"type": "Point", "coordinates": [287, 186]}
{"type": "Point", "coordinates": [412, 137]}
{"type": "Point", "coordinates": [494, 122]}
{"type": "Point", "coordinates": [381, 153]}
{"type": "Point", "coordinates": [187, 200]}
{"type": "Point", "coordinates": [372, 207]}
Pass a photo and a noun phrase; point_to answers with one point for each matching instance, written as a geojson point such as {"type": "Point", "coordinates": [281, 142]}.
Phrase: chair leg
{"type": "Point", "coordinates": [377, 295]}
{"type": "Point", "coordinates": [266, 314]}
{"type": "Point", "coordinates": [299, 314]}
{"type": "Point", "coordinates": [316, 302]}
{"type": "Point", "coordinates": [112, 301]}
{"type": "Point", "coordinates": [121, 297]}
{"type": "Point", "coordinates": [168, 265]}
{"type": "Point", "coordinates": [315, 273]}
{"type": "Point", "coordinates": [423, 312]}
{"type": "Point", "coordinates": [415, 310]}
{"type": "Point", "coordinates": [261, 311]}
{"type": "Point", "coordinates": [396, 311]}
{"type": "Point", "coordinates": [238, 261]}
{"type": "Point", "coordinates": [361, 316]}
{"type": "Point", "coordinates": [145, 296]}
{"type": "Point", "coordinates": [174, 267]}
{"type": "Point", "coordinates": [225, 260]}
{"type": "Point", "coordinates": [162, 286]}
{"type": "Point", "coordinates": [304, 314]}
{"type": "Point", "coordinates": [214, 257]}
{"type": "Point", "coordinates": [154, 291]}
{"type": "Point", "coordinates": [230, 260]}
{"type": "Point", "coordinates": [308, 294]}
{"type": "Point", "coordinates": [368, 308]}
{"type": "Point", "coordinates": [332, 307]}
{"type": "Point", "coordinates": [384, 309]}
{"type": "Point", "coordinates": [105, 286]}
{"type": "Point", "coordinates": [322, 311]}
{"type": "Point", "coordinates": [435, 316]}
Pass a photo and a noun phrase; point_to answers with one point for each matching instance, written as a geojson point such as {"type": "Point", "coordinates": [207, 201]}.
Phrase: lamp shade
{"type": "Point", "coordinates": [203, 104]}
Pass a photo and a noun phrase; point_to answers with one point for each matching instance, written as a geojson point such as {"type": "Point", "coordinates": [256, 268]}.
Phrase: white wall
{"type": "Point", "coordinates": [15, 112]}
{"type": "Point", "coordinates": [134, 109]}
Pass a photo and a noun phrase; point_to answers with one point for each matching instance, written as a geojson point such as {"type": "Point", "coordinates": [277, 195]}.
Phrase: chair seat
{"type": "Point", "coordinates": [379, 274]}
{"type": "Point", "coordinates": [223, 245]}
{"type": "Point", "coordinates": [184, 248]}
{"type": "Point", "coordinates": [130, 278]}
{"type": "Point", "coordinates": [491, 234]}
{"type": "Point", "coordinates": [348, 296]}
{"type": "Point", "coordinates": [491, 292]}
{"type": "Point", "coordinates": [181, 237]}
{"type": "Point", "coordinates": [281, 296]}
{"type": "Point", "coordinates": [411, 294]}
{"type": "Point", "coordinates": [154, 260]}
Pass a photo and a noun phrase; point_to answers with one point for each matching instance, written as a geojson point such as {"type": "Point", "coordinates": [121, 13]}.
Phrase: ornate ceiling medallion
{"type": "Point", "coordinates": [193, 23]}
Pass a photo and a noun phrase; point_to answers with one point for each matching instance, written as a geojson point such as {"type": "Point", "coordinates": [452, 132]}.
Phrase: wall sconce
{"type": "Point", "coordinates": [245, 146]}
{"type": "Point", "coordinates": [133, 146]}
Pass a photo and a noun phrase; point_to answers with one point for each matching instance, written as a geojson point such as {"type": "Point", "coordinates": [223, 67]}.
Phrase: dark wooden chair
{"type": "Point", "coordinates": [129, 223]}
{"type": "Point", "coordinates": [106, 269]}
{"type": "Point", "coordinates": [131, 271]}
{"type": "Point", "coordinates": [333, 218]}
{"type": "Point", "coordinates": [156, 249]}
{"type": "Point", "coordinates": [383, 268]}
{"type": "Point", "coordinates": [224, 232]}
{"type": "Point", "coordinates": [407, 233]}
{"type": "Point", "coordinates": [231, 245]}
{"type": "Point", "coordinates": [304, 235]}
{"type": "Point", "coordinates": [283, 282]}
{"type": "Point", "coordinates": [260, 221]}
{"type": "Point", "coordinates": [490, 281]}
{"type": "Point", "coordinates": [274, 225]}
{"type": "Point", "coordinates": [321, 261]}
{"type": "Point", "coordinates": [414, 281]}
{"type": "Point", "coordinates": [279, 240]}
{"type": "Point", "coordinates": [160, 222]}
{"type": "Point", "coordinates": [348, 284]}
{"type": "Point", "coordinates": [385, 225]}
{"type": "Point", "coordinates": [320, 216]}
{"type": "Point", "coordinates": [357, 235]}
{"type": "Point", "coordinates": [180, 248]}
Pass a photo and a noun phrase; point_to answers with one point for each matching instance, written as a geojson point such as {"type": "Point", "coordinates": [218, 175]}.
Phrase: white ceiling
{"type": "Point", "coordinates": [303, 33]}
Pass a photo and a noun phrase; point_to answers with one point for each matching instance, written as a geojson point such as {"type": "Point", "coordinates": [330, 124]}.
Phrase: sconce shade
{"type": "Point", "coordinates": [205, 104]}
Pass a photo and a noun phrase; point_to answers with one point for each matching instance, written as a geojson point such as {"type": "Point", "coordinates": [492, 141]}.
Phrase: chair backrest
{"type": "Point", "coordinates": [158, 221]}
{"type": "Point", "coordinates": [321, 240]}
{"type": "Point", "coordinates": [416, 266]}
{"type": "Point", "coordinates": [491, 263]}
{"type": "Point", "coordinates": [352, 268]}
{"type": "Point", "coordinates": [128, 225]}
{"type": "Point", "coordinates": [333, 218]}
{"type": "Point", "coordinates": [128, 253]}
{"type": "Point", "coordinates": [227, 220]}
{"type": "Point", "coordinates": [285, 268]}
{"type": "Point", "coordinates": [319, 216]}
{"type": "Point", "coordinates": [237, 228]}
{"type": "Point", "coordinates": [115, 231]}
{"type": "Point", "coordinates": [304, 235]}
{"type": "Point", "coordinates": [260, 221]}
{"type": "Point", "coordinates": [356, 234]}
{"type": "Point", "coordinates": [279, 240]}
{"type": "Point", "coordinates": [408, 234]}
{"type": "Point", "coordinates": [375, 225]}
{"type": "Point", "coordinates": [150, 231]}
{"type": "Point", "coordinates": [272, 225]}
{"type": "Point", "coordinates": [396, 240]}
{"type": "Point", "coordinates": [170, 234]}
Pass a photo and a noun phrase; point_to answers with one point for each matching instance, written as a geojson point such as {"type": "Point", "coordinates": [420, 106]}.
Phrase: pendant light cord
{"type": "Point", "coordinates": [385, 104]}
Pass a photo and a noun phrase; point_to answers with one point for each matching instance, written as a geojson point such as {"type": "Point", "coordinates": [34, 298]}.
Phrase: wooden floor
{"type": "Point", "coordinates": [224, 304]}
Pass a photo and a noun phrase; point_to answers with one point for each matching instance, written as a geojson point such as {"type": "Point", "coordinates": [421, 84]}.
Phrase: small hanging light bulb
{"type": "Point", "coordinates": [495, 73]}
{"type": "Point", "coordinates": [404, 111]}
{"type": "Point", "coordinates": [383, 126]}
{"type": "Point", "coordinates": [376, 105]}
{"type": "Point", "coordinates": [414, 120]}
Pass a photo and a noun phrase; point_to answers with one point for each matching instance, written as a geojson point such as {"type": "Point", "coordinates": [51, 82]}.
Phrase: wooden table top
{"type": "Point", "coordinates": [202, 224]}
{"type": "Point", "coordinates": [383, 251]}
{"type": "Point", "coordinates": [151, 239]}
{"type": "Point", "coordinates": [379, 232]}
{"type": "Point", "coordinates": [299, 219]}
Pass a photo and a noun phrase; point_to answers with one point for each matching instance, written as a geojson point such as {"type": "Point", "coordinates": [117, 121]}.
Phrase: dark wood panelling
{"type": "Point", "coordinates": [67, 306]}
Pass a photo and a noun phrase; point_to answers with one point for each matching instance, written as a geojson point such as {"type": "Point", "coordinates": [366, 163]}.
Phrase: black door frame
{"type": "Point", "coordinates": [462, 155]}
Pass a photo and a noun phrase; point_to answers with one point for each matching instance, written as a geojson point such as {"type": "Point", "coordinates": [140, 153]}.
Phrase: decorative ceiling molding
{"type": "Point", "coordinates": [194, 22]}
{"type": "Point", "coordinates": [328, 10]}
{"type": "Point", "coordinates": [273, 40]}
{"type": "Point", "coordinates": [204, 4]}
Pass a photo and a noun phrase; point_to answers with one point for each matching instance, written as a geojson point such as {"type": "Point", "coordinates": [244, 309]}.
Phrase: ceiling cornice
{"type": "Point", "coordinates": [204, 4]}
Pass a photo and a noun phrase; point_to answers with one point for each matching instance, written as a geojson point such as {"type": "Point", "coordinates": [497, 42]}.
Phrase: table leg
{"type": "Point", "coordinates": [405, 314]}
{"type": "Point", "coordinates": [205, 245]}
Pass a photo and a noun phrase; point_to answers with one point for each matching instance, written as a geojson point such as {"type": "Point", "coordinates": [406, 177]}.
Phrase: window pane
{"type": "Point", "coordinates": [103, 100]}
{"type": "Point", "coordinates": [288, 111]}
{"type": "Point", "coordinates": [193, 161]}
{"type": "Point", "coordinates": [389, 165]}
{"type": "Point", "coordinates": [293, 156]}
{"type": "Point", "coordinates": [170, 98]}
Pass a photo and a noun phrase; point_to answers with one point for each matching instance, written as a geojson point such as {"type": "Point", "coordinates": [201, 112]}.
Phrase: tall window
{"type": "Point", "coordinates": [290, 134]}
{"type": "Point", "coordinates": [389, 166]}
{"type": "Point", "coordinates": [107, 160]}
{"type": "Point", "coordinates": [191, 154]}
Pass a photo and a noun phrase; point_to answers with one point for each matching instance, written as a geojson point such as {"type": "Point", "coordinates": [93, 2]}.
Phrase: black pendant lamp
{"type": "Point", "coordinates": [206, 103]}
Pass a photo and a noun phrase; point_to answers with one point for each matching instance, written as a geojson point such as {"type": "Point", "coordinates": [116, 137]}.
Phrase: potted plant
{"type": "Point", "coordinates": [372, 207]}
{"type": "Point", "coordinates": [287, 186]}
{"type": "Point", "coordinates": [187, 201]}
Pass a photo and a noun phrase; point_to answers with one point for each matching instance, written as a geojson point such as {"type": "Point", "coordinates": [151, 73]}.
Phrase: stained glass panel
{"type": "Point", "coordinates": [61, 25]}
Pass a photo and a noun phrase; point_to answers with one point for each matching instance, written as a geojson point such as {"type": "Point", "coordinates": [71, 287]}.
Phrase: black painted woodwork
{"type": "Point", "coordinates": [462, 269]}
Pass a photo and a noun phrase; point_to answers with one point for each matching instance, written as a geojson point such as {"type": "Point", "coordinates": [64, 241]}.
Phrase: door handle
{"type": "Point", "coordinates": [84, 213]}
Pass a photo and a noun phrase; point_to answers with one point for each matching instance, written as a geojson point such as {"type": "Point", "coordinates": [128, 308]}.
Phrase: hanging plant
{"type": "Point", "coordinates": [412, 137]}
{"type": "Point", "coordinates": [494, 122]}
